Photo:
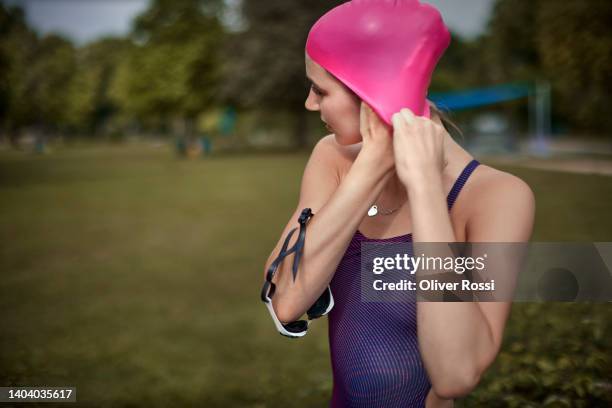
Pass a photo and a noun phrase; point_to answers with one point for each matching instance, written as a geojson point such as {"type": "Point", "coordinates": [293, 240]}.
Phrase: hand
{"type": "Point", "coordinates": [418, 145]}
{"type": "Point", "coordinates": [377, 138]}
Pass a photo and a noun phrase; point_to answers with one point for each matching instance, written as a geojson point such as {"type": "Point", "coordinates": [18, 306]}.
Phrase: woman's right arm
{"type": "Point", "coordinates": [339, 209]}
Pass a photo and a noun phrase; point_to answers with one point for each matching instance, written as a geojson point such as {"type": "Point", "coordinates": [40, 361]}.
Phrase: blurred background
{"type": "Point", "coordinates": [150, 156]}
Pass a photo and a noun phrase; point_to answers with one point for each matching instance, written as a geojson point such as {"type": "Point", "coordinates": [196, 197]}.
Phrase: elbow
{"type": "Point", "coordinates": [454, 383]}
{"type": "Point", "coordinates": [287, 303]}
{"type": "Point", "coordinates": [285, 312]}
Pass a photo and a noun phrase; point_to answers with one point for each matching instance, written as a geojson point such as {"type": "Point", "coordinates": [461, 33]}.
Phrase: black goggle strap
{"type": "Point", "coordinates": [325, 302]}
{"type": "Point", "coordinates": [299, 245]}
{"type": "Point", "coordinates": [292, 329]}
{"type": "Point", "coordinates": [281, 256]}
{"type": "Point", "coordinates": [268, 288]}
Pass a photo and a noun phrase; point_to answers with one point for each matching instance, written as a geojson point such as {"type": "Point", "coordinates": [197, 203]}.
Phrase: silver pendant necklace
{"type": "Point", "coordinates": [373, 211]}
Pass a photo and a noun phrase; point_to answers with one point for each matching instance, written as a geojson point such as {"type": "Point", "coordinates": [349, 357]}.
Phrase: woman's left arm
{"type": "Point", "coordinates": [458, 340]}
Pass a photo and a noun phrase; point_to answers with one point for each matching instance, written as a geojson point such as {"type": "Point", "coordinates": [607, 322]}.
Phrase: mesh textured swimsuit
{"type": "Point", "coordinates": [374, 348]}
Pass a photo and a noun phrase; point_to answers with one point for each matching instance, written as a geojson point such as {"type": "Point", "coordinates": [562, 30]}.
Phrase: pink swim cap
{"type": "Point", "coordinates": [383, 50]}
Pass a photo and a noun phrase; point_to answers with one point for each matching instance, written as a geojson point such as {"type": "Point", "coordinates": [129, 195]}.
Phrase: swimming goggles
{"type": "Point", "coordinates": [321, 307]}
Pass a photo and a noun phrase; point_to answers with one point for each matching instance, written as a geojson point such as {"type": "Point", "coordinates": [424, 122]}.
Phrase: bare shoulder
{"type": "Point", "coordinates": [500, 202]}
{"type": "Point", "coordinates": [494, 186]}
{"type": "Point", "coordinates": [337, 157]}
{"type": "Point", "coordinates": [339, 151]}
{"type": "Point", "coordinates": [327, 146]}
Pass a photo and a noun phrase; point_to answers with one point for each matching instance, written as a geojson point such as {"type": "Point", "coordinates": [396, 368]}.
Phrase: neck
{"type": "Point", "coordinates": [394, 193]}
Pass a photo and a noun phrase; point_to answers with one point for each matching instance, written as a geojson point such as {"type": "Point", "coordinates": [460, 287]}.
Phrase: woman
{"type": "Point", "coordinates": [413, 172]}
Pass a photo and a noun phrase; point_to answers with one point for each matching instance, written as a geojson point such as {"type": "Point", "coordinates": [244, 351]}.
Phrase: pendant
{"type": "Point", "coordinates": [373, 211]}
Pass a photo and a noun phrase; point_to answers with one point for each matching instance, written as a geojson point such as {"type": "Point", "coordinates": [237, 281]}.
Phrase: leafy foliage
{"type": "Point", "coordinates": [181, 61]}
{"type": "Point", "coordinates": [554, 355]}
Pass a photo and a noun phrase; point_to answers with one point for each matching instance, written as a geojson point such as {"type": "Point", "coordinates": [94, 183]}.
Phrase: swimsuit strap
{"type": "Point", "coordinates": [460, 182]}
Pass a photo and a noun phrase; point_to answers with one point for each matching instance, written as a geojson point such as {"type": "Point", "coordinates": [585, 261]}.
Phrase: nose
{"type": "Point", "coordinates": [312, 103]}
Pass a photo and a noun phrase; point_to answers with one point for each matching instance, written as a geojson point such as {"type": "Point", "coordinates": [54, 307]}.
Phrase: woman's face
{"type": "Point", "coordinates": [339, 107]}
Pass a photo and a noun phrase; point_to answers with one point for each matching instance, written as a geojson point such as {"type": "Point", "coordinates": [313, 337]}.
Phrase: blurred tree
{"type": "Point", "coordinates": [568, 43]}
{"type": "Point", "coordinates": [574, 42]}
{"type": "Point", "coordinates": [37, 71]}
{"type": "Point", "coordinates": [7, 22]}
{"type": "Point", "coordinates": [509, 45]}
{"type": "Point", "coordinates": [173, 71]}
{"type": "Point", "coordinates": [90, 106]}
{"type": "Point", "coordinates": [45, 82]}
{"type": "Point", "coordinates": [455, 69]}
{"type": "Point", "coordinates": [179, 62]}
{"type": "Point", "coordinates": [39, 75]}
{"type": "Point", "coordinates": [173, 21]}
{"type": "Point", "coordinates": [264, 65]}
{"type": "Point", "coordinates": [17, 51]}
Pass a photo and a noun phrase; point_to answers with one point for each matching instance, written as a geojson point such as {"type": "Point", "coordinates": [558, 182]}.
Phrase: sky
{"type": "Point", "coordinates": [468, 18]}
{"type": "Point", "coordinates": [87, 20]}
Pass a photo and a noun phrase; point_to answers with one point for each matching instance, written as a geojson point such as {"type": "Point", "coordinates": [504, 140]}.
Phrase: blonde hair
{"type": "Point", "coordinates": [446, 121]}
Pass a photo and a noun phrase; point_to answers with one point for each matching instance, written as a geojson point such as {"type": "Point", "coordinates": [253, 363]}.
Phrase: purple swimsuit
{"type": "Point", "coordinates": [374, 348]}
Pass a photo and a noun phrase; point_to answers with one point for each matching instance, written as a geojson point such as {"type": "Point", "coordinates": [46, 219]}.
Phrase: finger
{"type": "Point", "coordinates": [379, 125]}
{"type": "Point", "coordinates": [375, 121]}
{"type": "Point", "coordinates": [399, 122]}
{"type": "Point", "coordinates": [363, 120]}
{"type": "Point", "coordinates": [408, 115]}
{"type": "Point", "coordinates": [370, 117]}
{"type": "Point", "coordinates": [396, 119]}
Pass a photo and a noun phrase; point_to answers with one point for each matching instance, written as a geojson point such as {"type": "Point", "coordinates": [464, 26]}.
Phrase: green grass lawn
{"type": "Point", "coordinates": [135, 277]}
